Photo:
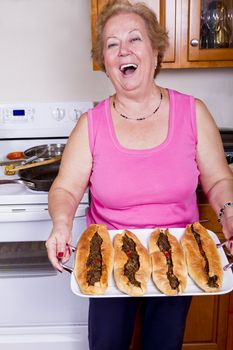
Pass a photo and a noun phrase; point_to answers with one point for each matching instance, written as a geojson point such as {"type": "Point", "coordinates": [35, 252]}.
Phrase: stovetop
{"type": "Point", "coordinates": [25, 125]}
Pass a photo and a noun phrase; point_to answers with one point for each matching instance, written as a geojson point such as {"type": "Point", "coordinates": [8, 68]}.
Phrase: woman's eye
{"type": "Point", "coordinates": [135, 39]}
{"type": "Point", "coordinates": [110, 45]}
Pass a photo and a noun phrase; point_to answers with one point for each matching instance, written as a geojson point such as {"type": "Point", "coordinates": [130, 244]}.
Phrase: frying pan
{"type": "Point", "coordinates": [45, 151]}
{"type": "Point", "coordinates": [37, 153]}
{"type": "Point", "coordinates": [39, 178]}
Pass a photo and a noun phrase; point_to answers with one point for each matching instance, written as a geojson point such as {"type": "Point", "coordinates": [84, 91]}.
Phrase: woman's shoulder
{"type": "Point", "coordinates": [181, 102]}
{"type": "Point", "coordinates": [200, 105]}
{"type": "Point", "coordinates": [99, 106]}
{"type": "Point", "coordinates": [204, 117]}
{"type": "Point", "coordinates": [180, 94]}
{"type": "Point", "coordinates": [98, 114]}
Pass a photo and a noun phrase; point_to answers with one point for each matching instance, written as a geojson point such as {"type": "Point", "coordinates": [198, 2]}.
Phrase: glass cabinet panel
{"type": "Point", "coordinates": [216, 24]}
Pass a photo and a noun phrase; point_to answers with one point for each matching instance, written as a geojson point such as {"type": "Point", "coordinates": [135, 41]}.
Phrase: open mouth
{"type": "Point", "coordinates": [128, 68]}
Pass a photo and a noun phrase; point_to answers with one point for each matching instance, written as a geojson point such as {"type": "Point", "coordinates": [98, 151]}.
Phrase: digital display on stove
{"type": "Point", "coordinates": [18, 112]}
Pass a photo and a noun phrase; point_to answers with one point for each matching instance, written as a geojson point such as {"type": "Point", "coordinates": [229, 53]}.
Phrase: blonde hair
{"type": "Point", "coordinates": [157, 35]}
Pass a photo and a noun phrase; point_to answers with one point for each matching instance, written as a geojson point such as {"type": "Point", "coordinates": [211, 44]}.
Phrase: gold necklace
{"type": "Point", "coordinates": [140, 118]}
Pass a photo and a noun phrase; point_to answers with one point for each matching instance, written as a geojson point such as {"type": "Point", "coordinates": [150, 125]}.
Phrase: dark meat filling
{"type": "Point", "coordinates": [212, 280]}
{"type": "Point", "coordinates": [94, 260]}
{"type": "Point", "coordinates": [132, 265]}
{"type": "Point", "coordinates": [165, 248]}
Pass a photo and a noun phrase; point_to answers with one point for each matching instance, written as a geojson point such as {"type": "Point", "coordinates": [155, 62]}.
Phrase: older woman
{"type": "Point", "coordinates": [142, 152]}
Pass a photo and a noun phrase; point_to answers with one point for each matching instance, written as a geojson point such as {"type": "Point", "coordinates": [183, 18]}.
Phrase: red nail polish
{"type": "Point", "coordinates": [60, 255]}
{"type": "Point", "coordinates": [231, 246]}
{"type": "Point", "coordinates": [231, 238]}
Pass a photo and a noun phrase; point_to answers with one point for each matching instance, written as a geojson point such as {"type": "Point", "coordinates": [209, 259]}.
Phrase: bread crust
{"type": "Point", "coordinates": [120, 259]}
{"type": "Point", "coordinates": [195, 261]}
{"type": "Point", "coordinates": [83, 250]}
{"type": "Point", "coordinates": [160, 266]}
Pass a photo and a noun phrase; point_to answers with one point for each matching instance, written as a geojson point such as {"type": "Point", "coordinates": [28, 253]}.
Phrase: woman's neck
{"type": "Point", "coordinates": [137, 104]}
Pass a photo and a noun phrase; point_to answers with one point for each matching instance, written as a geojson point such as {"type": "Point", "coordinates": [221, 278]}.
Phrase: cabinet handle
{"type": "Point", "coordinates": [194, 42]}
{"type": "Point", "coordinates": [204, 220]}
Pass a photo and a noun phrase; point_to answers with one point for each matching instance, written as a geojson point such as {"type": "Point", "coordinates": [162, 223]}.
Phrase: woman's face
{"type": "Point", "coordinates": [128, 55]}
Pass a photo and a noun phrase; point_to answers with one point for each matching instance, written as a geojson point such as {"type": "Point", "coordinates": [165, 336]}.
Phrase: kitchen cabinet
{"type": "Point", "coordinates": [210, 35]}
{"type": "Point", "coordinates": [194, 43]}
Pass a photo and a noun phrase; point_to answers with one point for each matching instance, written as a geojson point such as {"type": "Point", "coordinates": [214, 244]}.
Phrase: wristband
{"type": "Point", "coordinates": [221, 211]}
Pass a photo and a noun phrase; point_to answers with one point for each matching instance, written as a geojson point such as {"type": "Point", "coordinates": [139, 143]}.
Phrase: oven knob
{"type": "Point", "coordinates": [58, 114]}
{"type": "Point", "coordinates": [75, 114]}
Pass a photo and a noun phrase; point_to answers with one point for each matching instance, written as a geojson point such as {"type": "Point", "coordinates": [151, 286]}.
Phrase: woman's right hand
{"type": "Point", "coordinates": [58, 246]}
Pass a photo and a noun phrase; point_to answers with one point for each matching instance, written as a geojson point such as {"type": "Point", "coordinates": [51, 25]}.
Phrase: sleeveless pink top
{"type": "Point", "coordinates": [144, 188]}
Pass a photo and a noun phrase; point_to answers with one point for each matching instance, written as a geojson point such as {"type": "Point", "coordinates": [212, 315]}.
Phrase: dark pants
{"type": "Point", "coordinates": [111, 322]}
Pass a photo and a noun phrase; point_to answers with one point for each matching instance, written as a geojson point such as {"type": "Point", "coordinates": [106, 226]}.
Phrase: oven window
{"type": "Point", "coordinates": [24, 259]}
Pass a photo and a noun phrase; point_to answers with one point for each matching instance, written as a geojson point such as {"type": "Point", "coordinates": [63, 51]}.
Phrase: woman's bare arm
{"type": "Point", "coordinates": [67, 191]}
{"type": "Point", "coordinates": [215, 174]}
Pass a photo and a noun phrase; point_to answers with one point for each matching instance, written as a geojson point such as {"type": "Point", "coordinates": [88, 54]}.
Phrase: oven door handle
{"type": "Point", "coordinates": [22, 214]}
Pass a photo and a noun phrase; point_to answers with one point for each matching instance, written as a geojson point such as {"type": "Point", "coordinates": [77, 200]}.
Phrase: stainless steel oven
{"type": "Point", "coordinates": [38, 309]}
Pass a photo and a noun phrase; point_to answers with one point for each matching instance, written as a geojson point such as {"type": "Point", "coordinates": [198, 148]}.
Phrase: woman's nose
{"type": "Point", "coordinates": [124, 49]}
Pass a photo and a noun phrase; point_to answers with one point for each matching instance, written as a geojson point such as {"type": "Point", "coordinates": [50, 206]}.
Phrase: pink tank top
{"type": "Point", "coordinates": [148, 188]}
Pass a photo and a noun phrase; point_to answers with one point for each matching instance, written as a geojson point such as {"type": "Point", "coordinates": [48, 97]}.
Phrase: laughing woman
{"type": "Point", "coordinates": [142, 152]}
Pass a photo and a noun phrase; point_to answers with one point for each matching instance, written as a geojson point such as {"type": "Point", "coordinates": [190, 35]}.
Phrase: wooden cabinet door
{"type": "Point", "coordinates": [166, 13]}
{"type": "Point", "coordinates": [195, 52]}
{"type": "Point", "coordinates": [207, 323]}
{"type": "Point", "coordinates": [210, 220]}
{"type": "Point", "coordinates": [96, 6]}
{"type": "Point", "coordinates": [230, 325]}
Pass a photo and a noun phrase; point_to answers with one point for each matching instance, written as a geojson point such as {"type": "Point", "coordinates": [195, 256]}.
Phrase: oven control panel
{"type": "Point", "coordinates": [40, 119]}
{"type": "Point", "coordinates": [17, 115]}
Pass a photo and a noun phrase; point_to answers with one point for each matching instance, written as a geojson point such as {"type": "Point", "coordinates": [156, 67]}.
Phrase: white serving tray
{"type": "Point", "coordinates": [191, 289]}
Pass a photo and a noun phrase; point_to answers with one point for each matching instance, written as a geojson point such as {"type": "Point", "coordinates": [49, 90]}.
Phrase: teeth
{"type": "Point", "coordinates": [124, 66]}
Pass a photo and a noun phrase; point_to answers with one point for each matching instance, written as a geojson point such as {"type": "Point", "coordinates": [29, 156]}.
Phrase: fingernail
{"type": "Point", "coordinates": [60, 255]}
{"type": "Point", "coordinates": [231, 238]}
{"type": "Point", "coordinates": [231, 246]}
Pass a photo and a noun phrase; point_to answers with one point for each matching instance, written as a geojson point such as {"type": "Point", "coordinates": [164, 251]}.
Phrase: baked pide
{"type": "Point", "coordinates": [132, 266]}
{"type": "Point", "coordinates": [94, 260]}
{"type": "Point", "coordinates": [202, 257]}
{"type": "Point", "coordinates": [169, 271]}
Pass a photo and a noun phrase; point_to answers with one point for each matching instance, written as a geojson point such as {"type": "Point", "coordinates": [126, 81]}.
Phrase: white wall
{"type": "Point", "coordinates": [45, 56]}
